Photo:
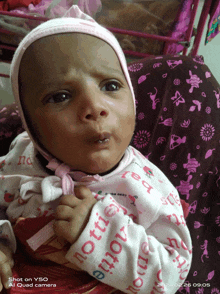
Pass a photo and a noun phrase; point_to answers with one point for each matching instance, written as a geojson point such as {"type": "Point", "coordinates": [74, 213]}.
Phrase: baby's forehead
{"type": "Point", "coordinates": [81, 45]}
{"type": "Point", "coordinates": [74, 39]}
{"type": "Point", "coordinates": [59, 53]}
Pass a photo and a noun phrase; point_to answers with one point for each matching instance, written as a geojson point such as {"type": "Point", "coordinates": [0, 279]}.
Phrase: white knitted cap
{"type": "Point", "coordinates": [81, 23]}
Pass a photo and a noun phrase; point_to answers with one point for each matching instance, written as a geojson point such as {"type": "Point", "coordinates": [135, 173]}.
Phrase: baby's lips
{"type": "Point", "coordinates": [104, 136]}
{"type": "Point", "coordinates": [99, 137]}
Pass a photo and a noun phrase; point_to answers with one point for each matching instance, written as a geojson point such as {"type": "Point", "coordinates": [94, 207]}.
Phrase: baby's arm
{"type": "Point", "coordinates": [126, 255]}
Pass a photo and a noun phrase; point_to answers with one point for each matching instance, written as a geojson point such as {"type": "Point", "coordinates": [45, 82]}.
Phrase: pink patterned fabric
{"type": "Point", "coordinates": [178, 129]}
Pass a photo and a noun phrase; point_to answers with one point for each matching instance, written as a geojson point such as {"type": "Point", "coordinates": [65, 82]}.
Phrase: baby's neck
{"type": "Point", "coordinates": [44, 162]}
{"type": "Point", "coordinates": [111, 170]}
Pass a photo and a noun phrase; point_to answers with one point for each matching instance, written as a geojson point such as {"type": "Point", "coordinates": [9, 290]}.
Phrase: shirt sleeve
{"type": "Point", "coordinates": [11, 178]}
{"type": "Point", "coordinates": [134, 257]}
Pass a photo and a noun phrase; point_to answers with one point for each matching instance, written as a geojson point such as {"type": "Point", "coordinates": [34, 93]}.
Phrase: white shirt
{"type": "Point", "coordinates": [136, 239]}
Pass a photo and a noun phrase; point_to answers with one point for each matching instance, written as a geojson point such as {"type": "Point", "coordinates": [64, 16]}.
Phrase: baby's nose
{"type": "Point", "coordinates": [93, 108]}
{"type": "Point", "coordinates": [95, 116]}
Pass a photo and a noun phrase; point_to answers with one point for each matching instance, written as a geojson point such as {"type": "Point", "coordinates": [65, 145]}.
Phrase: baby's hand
{"type": "Point", "coordinates": [72, 213]}
{"type": "Point", "coordinates": [6, 263]}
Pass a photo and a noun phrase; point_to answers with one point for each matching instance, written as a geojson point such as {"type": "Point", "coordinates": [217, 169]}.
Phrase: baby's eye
{"type": "Point", "coordinates": [58, 98]}
{"type": "Point", "coordinates": [112, 86]}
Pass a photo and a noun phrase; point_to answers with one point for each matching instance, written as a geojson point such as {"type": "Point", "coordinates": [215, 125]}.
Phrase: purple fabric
{"type": "Point", "coordinates": [178, 129]}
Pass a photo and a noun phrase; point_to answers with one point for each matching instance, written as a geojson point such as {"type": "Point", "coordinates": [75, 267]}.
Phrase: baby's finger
{"type": "Point", "coordinates": [83, 192]}
{"type": "Point", "coordinates": [63, 212]}
{"type": "Point", "coordinates": [62, 230]}
{"type": "Point", "coordinates": [58, 227]}
{"type": "Point", "coordinates": [69, 200]}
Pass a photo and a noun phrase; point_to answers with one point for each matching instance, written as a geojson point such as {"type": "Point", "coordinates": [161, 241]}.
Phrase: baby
{"type": "Point", "coordinates": [120, 216]}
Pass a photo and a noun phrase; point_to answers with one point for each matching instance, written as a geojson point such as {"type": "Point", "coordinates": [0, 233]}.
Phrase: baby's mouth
{"type": "Point", "coordinates": [103, 141]}
{"type": "Point", "coordinates": [101, 138]}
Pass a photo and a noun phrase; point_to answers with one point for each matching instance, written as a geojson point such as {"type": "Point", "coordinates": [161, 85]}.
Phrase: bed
{"type": "Point", "coordinates": [142, 27]}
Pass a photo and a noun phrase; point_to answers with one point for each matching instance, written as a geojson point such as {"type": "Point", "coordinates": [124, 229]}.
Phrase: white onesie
{"type": "Point", "coordinates": [136, 239]}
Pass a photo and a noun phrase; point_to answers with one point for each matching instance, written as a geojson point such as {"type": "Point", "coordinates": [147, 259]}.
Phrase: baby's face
{"type": "Point", "coordinates": [77, 100]}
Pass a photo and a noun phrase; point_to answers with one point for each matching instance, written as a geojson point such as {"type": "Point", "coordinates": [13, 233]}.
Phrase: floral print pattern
{"type": "Point", "coordinates": [141, 139]}
{"type": "Point", "coordinates": [207, 132]}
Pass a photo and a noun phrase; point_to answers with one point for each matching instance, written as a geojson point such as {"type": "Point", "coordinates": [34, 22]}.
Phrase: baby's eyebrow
{"type": "Point", "coordinates": [97, 72]}
{"type": "Point", "coordinates": [107, 71]}
{"type": "Point", "coordinates": [112, 70]}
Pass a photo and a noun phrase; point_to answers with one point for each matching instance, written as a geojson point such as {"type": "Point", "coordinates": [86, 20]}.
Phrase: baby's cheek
{"type": "Point", "coordinates": [130, 124]}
